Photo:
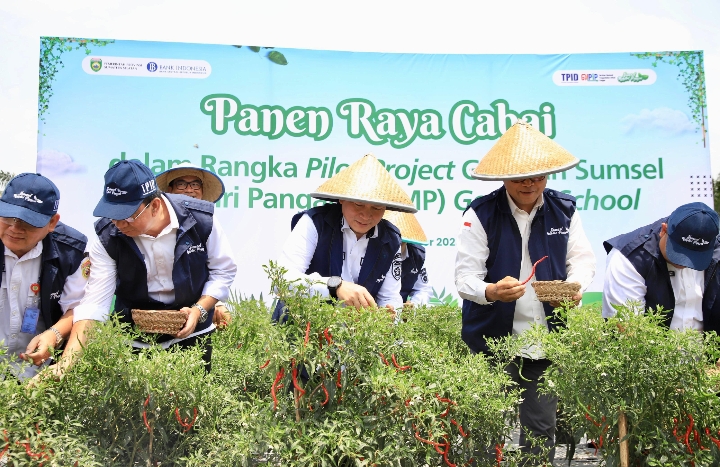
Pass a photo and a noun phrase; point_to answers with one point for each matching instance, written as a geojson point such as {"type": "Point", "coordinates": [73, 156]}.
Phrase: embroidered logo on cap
{"type": "Point", "coordinates": [28, 197]}
{"type": "Point", "coordinates": [148, 187]}
{"type": "Point", "coordinates": [115, 191]}
{"type": "Point", "coordinates": [695, 241]}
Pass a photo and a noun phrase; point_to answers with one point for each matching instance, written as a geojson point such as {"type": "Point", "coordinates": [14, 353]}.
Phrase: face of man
{"type": "Point", "coordinates": [361, 217]}
{"type": "Point", "coordinates": [21, 237]}
{"type": "Point", "coordinates": [525, 193]}
{"type": "Point", "coordinates": [187, 182]}
{"type": "Point", "coordinates": [144, 220]}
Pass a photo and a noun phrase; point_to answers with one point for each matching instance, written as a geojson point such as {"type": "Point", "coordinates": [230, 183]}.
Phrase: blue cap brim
{"type": "Point", "coordinates": [116, 211]}
{"type": "Point", "coordinates": [31, 217]}
{"type": "Point", "coordinates": [693, 259]}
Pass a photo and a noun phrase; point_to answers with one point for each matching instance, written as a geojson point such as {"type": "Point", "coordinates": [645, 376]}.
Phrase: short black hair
{"type": "Point", "coordinates": [149, 198]}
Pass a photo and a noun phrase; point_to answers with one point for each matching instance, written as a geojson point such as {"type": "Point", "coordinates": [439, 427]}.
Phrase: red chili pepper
{"type": "Point", "coordinates": [307, 333]}
{"type": "Point", "coordinates": [7, 446]}
{"type": "Point", "coordinates": [438, 450]}
{"type": "Point", "coordinates": [714, 440]}
{"type": "Point", "coordinates": [338, 383]}
{"type": "Point", "coordinates": [674, 432]}
{"type": "Point", "coordinates": [445, 455]}
{"type": "Point", "coordinates": [327, 395]}
{"type": "Point", "coordinates": [274, 386]}
{"type": "Point", "coordinates": [33, 454]}
{"type": "Point", "coordinates": [696, 435]}
{"type": "Point", "coordinates": [184, 422]}
{"type": "Point", "coordinates": [687, 434]}
{"type": "Point", "coordinates": [445, 399]}
{"type": "Point", "coordinates": [264, 365]}
{"type": "Point", "coordinates": [401, 368]}
{"type": "Point", "coordinates": [445, 413]}
{"type": "Point", "coordinates": [532, 273]}
{"type": "Point", "coordinates": [499, 452]}
{"type": "Point", "coordinates": [328, 336]}
{"type": "Point", "coordinates": [426, 441]}
{"type": "Point", "coordinates": [145, 420]}
{"type": "Point", "coordinates": [295, 381]}
{"type": "Point", "coordinates": [460, 428]}
{"type": "Point", "coordinates": [384, 359]}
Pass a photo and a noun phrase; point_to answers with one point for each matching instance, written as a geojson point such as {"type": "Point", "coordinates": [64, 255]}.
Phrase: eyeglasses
{"type": "Point", "coordinates": [18, 223]}
{"type": "Point", "coordinates": [182, 184]}
{"type": "Point", "coordinates": [132, 219]}
{"type": "Point", "coordinates": [532, 179]}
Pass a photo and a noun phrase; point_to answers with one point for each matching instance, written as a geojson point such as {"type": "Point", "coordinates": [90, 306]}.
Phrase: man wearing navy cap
{"type": "Point", "coordinates": [670, 263]}
{"type": "Point", "coordinates": [42, 279]}
{"type": "Point", "coordinates": [154, 251]}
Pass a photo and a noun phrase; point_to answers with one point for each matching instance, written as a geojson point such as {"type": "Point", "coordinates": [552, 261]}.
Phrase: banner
{"type": "Point", "coordinates": [276, 123]}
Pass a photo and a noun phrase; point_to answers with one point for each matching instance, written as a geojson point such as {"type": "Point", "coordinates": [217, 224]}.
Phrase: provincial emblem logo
{"type": "Point", "coordinates": [95, 64]}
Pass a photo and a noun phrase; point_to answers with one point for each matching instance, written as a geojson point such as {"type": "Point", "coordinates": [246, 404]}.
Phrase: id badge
{"type": "Point", "coordinates": [30, 319]}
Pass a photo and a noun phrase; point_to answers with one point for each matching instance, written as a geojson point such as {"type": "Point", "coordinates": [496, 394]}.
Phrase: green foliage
{"type": "Point", "coordinates": [692, 74]}
{"type": "Point", "coordinates": [716, 193]}
{"type": "Point", "coordinates": [274, 56]}
{"type": "Point", "coordinates": [443, 299]}
{"type": "Point", "coordinates": [51, 50]}
{"type": "Point", "coordinates": [5, 178]}
{"type": "Point", "coordinates": [634, 364]}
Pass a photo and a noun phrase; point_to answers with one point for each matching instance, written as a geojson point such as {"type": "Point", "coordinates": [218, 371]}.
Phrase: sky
{"type": "Point", "coordinates": [520, 26]}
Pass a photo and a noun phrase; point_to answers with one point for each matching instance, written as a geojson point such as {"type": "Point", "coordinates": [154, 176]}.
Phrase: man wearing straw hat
{"type": "Point", "coordinates": [503, 234]}
{"type": "Point", "coordinates": [42, 278]}
{"type": "Point", "coordinates": [415, 287]}
{"type": "Point", "coordinates": [154, 252]}
{"type": "Point", "coordinates": [670, 263]}
{"type": "Point", "coordinates": [187, 179]}
{"type": "Point", "coordinates": [345, 248]}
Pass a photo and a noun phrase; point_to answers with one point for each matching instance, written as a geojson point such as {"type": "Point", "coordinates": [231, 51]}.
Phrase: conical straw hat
{"type": "Point", "coordinates": [410, 229]}
{"type": "Point", "coordinates": [213, 186]}
{"type": "Point", "coordinates": [366, 181]}
{"type": "Point", "coordinates": [523, 152]}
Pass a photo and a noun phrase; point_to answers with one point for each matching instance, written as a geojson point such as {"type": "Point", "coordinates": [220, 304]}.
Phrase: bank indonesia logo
{"type": "Point", "coordinates": [152, 66]}
{"type": "Point", "coordinates": [95, 64]}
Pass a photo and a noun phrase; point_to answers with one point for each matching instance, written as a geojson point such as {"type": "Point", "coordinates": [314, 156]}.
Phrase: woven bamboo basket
{"type": "Point", "coordinates": [159, 321]}
{"type": "Point", "coordinates": [555, 291]}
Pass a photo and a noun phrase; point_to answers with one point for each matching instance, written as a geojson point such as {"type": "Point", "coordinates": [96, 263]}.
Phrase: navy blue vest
{"type": "Point", "coordinates": [412, 267]}
{"type": "Point", "coordinates": [641, 247]}
{"type": "Point", "coordinates": [328, 257]}
{"type": "Point", "coordinates": [63, 251]}
{"type": "Point", "coordinates": [190, 271]}
{"type": "Point", "coordinates": [549, 234]}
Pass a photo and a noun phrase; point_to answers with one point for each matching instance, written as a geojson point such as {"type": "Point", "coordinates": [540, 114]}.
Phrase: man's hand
{"type": "Point", "coordinates": [38, 350]}
{"type": "Point", "coordinates": [355, 295]}
{"type": "Point", "coordinates": [508, 289]}
{"type": "Point", "coordinates": [221, 318]}
{"type": "Point", "coordinates": [193, 315]}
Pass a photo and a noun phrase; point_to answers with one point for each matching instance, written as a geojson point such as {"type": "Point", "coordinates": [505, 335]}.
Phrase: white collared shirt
{"type": "Point", "coordinates": [300, 247]}
{"type": "Point", "coordinates": [15, 296]}
{"type": "Point", "coordinates": [422, 291]}
{"type": "Point", "coordinates": [473, 252]}
{"type": "Point", "coordinates": [623, 283]}
{"type": "Point", "coordinates": [159, 257]}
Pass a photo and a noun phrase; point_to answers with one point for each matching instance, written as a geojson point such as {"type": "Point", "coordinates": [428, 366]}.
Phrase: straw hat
{"type": "Point", "coordinates": [523, 152]}
{"type": "Point", "coordinates": [410, 229]}
{"type": "Point", "coordinates": [213, 187]}
{"type": "Point", "coordinates": [366, 181]}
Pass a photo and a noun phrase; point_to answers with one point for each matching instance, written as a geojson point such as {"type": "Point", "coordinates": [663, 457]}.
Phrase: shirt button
{"type": "Point", "coordinates": [13, 336]}
{"type": "Point", "coordinates": [14, 313]}
{"type": "Point", "coordinates": [14, 287]}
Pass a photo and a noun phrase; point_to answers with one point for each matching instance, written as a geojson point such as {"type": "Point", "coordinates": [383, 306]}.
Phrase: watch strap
{"type": "Point", "coordinates": [58, 337]}
{"type": "Point", "coordinates": [203, 312]}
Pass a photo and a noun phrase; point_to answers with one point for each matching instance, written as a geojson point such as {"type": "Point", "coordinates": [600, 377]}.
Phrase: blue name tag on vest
{"type": "Point", "coordinates": [30, 320]}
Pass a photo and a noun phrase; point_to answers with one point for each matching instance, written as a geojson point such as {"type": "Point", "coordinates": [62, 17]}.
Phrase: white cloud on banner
{"type": "Point", "coordinates": [55, 162]}
{"type": "Point", "coordinates": [667, 120]}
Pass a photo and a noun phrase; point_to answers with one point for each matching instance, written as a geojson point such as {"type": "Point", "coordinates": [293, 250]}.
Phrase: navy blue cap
{"type": "Point", "coordinates": [31, 198]}
{"type": "Point", "coordinates": [127, 183]}
{"type": "Point", "coordinates": [692, 232]}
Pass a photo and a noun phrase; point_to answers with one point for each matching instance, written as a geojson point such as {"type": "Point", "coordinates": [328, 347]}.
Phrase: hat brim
{"type": "Point", "coordinates": [523, 176]}
{"type": "Point", "coordinates": [27, 215]}
{"type": "Point", "coordinates": [388, 204]}
{"type": "Point", "coordinates": [213, 186]}
{"type": "Point", "coordinates": [693, 259]}
{"type": "Point", "coordinates": [116, 211]}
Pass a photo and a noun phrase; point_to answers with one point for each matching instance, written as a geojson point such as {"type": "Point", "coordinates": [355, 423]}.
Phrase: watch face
{"type": "Point", "coordinates": [334, 281]}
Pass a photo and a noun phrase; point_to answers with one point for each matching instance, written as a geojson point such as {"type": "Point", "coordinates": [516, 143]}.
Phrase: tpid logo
{"type": "Point", "coordinates": [152, 66]}
{"type": "Point", "coordinates": [572, 77]}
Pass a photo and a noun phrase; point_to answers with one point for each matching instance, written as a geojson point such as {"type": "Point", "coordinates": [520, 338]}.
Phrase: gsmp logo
{"type": "Point", "coordinates": [152, 66]}
{"type": "Point", "coordinates": [695, 241]}
{"type": "Point", "coordinates": [96, 64]}
{"type": "Point", "coordinates": [28, 197]}
{"type": "Point", "coordinates": [115, 191]}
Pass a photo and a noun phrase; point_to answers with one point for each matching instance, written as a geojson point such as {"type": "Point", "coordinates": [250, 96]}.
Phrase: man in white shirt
{"type": "Point", "coordinates": [346, 250]}
{"type": "Point", "coordinates": [503, 234]}
{"type": "Point", "coordinates": [42, 278]}
{"type": "Point", "coordinates": [154, 252]}
{"type": "Point", "coordinates": [671, 263]}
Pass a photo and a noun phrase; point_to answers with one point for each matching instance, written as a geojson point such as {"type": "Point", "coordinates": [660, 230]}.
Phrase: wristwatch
{"type": "Point", "coordinates": [58, 337]}
{"type": "Point", "coordinates": [334, 283]}
{"type": "Point", "coordinates": [203, 312]}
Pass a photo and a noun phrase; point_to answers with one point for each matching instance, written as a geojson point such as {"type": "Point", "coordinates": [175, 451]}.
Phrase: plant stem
{"type": "Point", "coordinates": [622, 433]}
